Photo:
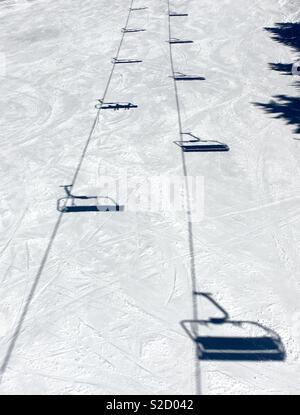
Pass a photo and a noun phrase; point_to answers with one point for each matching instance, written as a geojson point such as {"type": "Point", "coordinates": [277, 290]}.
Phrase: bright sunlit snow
{"type": "Point", "coordinates": [138, 301]}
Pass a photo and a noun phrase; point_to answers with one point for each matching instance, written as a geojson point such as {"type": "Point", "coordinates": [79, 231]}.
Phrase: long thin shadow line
{"type": "Point", "coordinates": [37, 278]}
{"type": "Point", "coordinates": [101, 102]}
{"type": "Point", "coordinates": [28, 300]}
{"type": "Point", "coordinates": [189, 215]}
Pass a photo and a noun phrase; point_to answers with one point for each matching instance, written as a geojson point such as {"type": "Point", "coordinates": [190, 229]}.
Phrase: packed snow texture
{"type": "Point", "coordinates": [92, 303]}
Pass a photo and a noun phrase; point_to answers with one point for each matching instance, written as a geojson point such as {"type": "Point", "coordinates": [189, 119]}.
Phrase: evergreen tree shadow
{"type": "Point", "coordinates": [287, 34]}
{"type": "Point", "coordinates": [282, 106]}
{"type": "Point", "coordinates": [284, 68]}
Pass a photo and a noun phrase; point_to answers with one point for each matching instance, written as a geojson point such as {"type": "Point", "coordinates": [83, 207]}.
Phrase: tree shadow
{"type": "Point", "coordinates": [286, 33]}
{"type": "Point", "coordinates": [284, 68]}
{"type": "Point", "coordinates": [284, 106]}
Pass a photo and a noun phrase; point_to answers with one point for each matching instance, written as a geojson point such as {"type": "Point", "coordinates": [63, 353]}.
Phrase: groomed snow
{"type": "Point", "coordinates": [94, 305]}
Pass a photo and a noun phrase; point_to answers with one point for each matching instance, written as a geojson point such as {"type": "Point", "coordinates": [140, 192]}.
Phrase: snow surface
{"type": "Point", "coordinates": [91, 303]}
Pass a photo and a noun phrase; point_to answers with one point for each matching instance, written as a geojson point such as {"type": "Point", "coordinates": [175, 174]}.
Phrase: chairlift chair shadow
{"type": "Point", "coordinates": [233, 340]}
{"type": "Point", "coordinates": [241, 347]}
{"type": "Point", "coordinates": [78, 203]}
{"type": "Point", "coordinates": [174, 14]}
{"type": "Point", "coordinates": [198, 145]}
{"type": "Point", "coordinates": [134, 9]}
{"type": "Point", "coordinates": [115, 105]}
{"type": "Point", "coordinates": [120, 61]}
{"type": "Point", "coordinates": [174, 41]}
{"type": "Point", "coordinates": [126, 30]}
{"type": "Point", "coordinates": [178, 76]}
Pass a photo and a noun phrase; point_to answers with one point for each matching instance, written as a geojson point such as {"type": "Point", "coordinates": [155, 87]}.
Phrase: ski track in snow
{"type": "Point", "coordinates": [106, 312]}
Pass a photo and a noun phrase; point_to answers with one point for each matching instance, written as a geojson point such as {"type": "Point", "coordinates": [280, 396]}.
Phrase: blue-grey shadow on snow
{"type": "Point", "coordinates": [283, 106]}
{"type": "Point", "coordinates": [223, 339]}
{"type": "Point", "coordinates": [81, 203]}
{"type": "Point", "coordinates": [286, 33]}
{"type": "Point", "coordinates": [284, 68]}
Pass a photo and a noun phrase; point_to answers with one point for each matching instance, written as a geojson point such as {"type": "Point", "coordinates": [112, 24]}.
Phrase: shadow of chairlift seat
{"type": "Point", "coordinates": [125, 30]}
{"type": "Point", "coordinates": [178, 76]}
{"type": "Point", "coordinates": [233, 340]}
{"type": "Point", "coordinates": [174, 41]}
{"type": "Point", "coordinates": [120, 61]}
{"type": "Point", "coordinates": [198, 145]}
{"type": "Point", "coordinates": [79, 203]}
{"type": "Point", "coordinates": [88, 204]}
{"type": "Point", "coordinates": [135, 9]}
{"type": "Point", "coordinates": [115, 105]}
{"type": "Point", "coordinates": [174, 14]}
{"type": "Point", "coordinates": [244, 346]}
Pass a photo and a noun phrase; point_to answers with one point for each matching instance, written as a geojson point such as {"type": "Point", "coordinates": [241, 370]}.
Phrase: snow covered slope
{"type": "Point", "coordinates": [93, 302]}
